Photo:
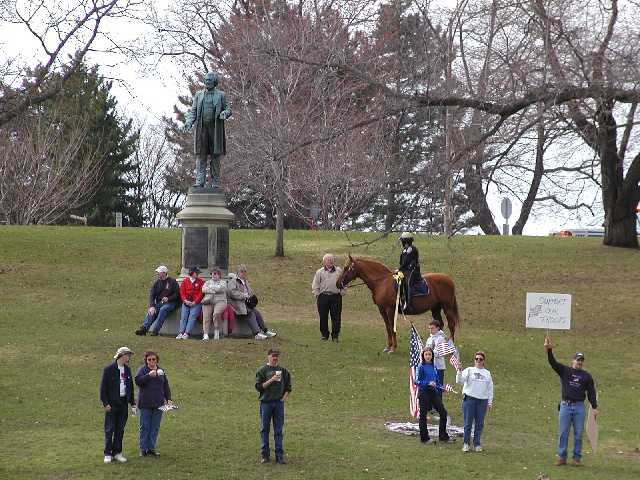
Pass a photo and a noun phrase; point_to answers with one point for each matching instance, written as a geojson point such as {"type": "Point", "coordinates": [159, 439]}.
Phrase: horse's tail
{"type": "Point", "coordinates": [454, 306]}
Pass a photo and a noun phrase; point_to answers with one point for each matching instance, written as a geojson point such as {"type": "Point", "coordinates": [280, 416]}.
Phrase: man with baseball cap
{"type": "Point", "coordinates": [116, 391]}
{"type": "Point", "coordinates": [576, 384]}
{"type": "Point", "coordinates": [273, 383]}
{"type": "Point", "coordinates": [163, 298]}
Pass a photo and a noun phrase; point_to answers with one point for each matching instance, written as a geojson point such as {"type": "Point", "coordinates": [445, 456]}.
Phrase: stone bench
{"type": "Point", "coordinates": [172, 322]}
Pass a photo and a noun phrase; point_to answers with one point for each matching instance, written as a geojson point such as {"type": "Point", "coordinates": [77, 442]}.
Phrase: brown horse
{"type": "Point", "coordinates": [379, 279]}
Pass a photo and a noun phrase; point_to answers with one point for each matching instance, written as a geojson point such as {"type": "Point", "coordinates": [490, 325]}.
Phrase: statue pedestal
{"type": "Point", "coordinates": [205, 222]}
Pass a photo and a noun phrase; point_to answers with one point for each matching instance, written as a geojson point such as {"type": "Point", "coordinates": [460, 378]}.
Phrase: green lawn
{"type": "Point", "coordinates": [71, 296]}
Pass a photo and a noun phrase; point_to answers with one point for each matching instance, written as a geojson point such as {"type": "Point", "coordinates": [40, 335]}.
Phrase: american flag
{"type": "Point", "coordinates": [415, 347]}
{"type": "Point", "coordinates": [448, 388]}
{"type": "Point", "coordinates": [444, 348]}
{"type": "Point", "coordinates": [455, 360]}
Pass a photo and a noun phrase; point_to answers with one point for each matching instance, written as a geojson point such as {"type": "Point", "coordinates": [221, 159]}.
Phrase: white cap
{"type": "Point", "coordinates": [162, 269]}
{"type": "Point", "coordinates": [406, 235]}
{"type": "Point", "coordinates": [123, 351]}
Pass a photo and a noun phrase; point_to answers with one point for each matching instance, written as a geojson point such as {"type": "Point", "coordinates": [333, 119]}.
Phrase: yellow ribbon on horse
{"type": "Point", "coordinates": [398, 278]}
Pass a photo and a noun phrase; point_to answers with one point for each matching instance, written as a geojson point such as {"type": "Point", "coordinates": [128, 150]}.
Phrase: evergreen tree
{"type": "Point", "coordinates": [86, 96]}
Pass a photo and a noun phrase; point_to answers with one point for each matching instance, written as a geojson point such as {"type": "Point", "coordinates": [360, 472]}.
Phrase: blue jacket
{"type": "Point", "coordinates": [152, 391]}
{"type": "Point", "coordinates": [427, 373]}
{"type": "Point", "coordinates": [110, 385]}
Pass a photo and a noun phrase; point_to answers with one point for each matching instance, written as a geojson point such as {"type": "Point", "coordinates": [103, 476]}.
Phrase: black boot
{"type": "Point", "coordinates": [142, 330]}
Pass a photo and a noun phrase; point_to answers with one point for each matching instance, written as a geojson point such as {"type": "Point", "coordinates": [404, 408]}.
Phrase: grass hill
{"type": "Point", "coordinates": [71, 296]}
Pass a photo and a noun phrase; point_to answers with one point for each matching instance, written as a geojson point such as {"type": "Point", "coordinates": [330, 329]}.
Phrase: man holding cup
{"type": "Point", "coordinates": [273, 383]}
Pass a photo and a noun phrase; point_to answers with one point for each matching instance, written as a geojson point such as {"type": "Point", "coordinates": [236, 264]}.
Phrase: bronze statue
{"type": "Point", "coordinates": [208, 111]}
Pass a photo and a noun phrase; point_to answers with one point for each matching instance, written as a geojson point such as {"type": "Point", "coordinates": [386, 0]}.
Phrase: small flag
{"type": "Point", "coordinates": [415, 344]}
{"type": "Point", "coordinates": [443, 348]}
{"type": "Point", "coordinates": [449, 388]}
{"type": "Point", "coordinates": [455, 361]}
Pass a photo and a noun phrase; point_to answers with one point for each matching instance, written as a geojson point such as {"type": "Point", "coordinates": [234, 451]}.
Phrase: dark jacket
{"type": "Point", "coordinates": [110, 385]}
{"type": "Point", "coordinates": [195, 115]}
{"type": "Point", "coordinates": [576, 383]}
{"type": "Point", "coordinates": [276, 390]}
{"type": "Point", "coordinates": [155, 294]}
{"type": "Point", "coordinates": [410, 264]}
{"type": "Point", "coordinates": [152, 391]}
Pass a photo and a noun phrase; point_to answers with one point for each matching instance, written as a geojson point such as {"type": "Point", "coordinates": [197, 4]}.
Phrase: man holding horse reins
{"type": "Point", "coordinates": [409, 266]}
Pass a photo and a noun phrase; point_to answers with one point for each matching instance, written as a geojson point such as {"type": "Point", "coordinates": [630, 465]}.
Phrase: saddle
{"type": "Point", "coordinates": [418, 289]}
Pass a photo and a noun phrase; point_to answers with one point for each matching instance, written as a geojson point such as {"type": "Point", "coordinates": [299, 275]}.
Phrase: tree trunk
{"type": "Point", "coordinates": [477, 199]}
{"type": "Point", "coordinates": [537, 177]}
{"type": "Point", "coordinates": [620, 229]}
{"type": "Point", "coordinates": [280, 202]}
{"type": "Point", "coordinates": [619, 203]}
{"type": "Point", "coordinates": [392, 209]}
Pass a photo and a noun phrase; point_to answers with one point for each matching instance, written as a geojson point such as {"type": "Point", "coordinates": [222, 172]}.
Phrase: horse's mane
{"type": "Point", "coordinates": [374, 263]}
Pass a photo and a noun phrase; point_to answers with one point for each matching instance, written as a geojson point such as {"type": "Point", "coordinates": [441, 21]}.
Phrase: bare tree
{"type": "Point", "coordinates": [591, 49]}
{"type": "Point", "coordinates": [156, 161]}
{"type": "Point", "coordinates": [65, 32]}
{"type": "Point", "coordinates": [42, 175]}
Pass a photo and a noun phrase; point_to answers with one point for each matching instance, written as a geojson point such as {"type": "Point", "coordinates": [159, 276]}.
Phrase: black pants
{"type": "Point", "coordinates": [330, 303]}
{"type": "Point", "coordinates": [114, 423]}
{"type": "Point", "coordinates": [428, 399]}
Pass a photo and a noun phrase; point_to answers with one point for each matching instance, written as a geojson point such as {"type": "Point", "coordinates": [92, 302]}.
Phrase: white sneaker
{"type": "Point", "coordinates": [185, 336]}
{"type": "Point", "coordinates": [120, 458]}
{"type": "Point", "coordinates": [478, 448]}
{"type": "Point", "coordinates": [270, 333]}
{"type": "Point", "coordinates": [261, 336]}
{"type": "Point", "coordinates": [107, 458]}
{"type": "Point", "coordinates": [465, 447]}
{"type": "Point", "coordinates": [179, 336]}
{"type": "Point", "coordinates": [205, 337]}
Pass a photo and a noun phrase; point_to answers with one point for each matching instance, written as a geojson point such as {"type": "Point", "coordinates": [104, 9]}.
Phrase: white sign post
{"type": "Point", "coordinates": [551, 311]}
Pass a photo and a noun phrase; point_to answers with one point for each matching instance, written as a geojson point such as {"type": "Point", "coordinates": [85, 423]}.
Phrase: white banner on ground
{"type": "Point", "coordinates": [548, 310]}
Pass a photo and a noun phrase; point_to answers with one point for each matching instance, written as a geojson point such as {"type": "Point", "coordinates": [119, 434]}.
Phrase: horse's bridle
{"type": "Point", "coordinates": [350, 267]}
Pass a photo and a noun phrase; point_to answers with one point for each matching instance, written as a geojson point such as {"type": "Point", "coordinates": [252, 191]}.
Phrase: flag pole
{"type": "Point", "coordinates": [398, 279]}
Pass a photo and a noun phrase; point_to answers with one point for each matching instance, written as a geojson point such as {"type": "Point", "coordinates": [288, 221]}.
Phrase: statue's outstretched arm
{"type": "Point", "coordinates": [226, 108]}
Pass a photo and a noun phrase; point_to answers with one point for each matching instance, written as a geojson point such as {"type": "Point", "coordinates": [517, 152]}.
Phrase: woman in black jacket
{"type": "Point", "coordinates": [153, 393]}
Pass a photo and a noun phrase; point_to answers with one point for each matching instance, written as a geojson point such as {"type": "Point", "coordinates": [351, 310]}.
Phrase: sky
{"type": "Point", "coordinates": [148, 92]}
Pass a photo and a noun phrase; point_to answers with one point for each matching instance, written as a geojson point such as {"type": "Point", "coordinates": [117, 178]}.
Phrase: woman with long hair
{"type": "Point", "coordinates": [429, 397]}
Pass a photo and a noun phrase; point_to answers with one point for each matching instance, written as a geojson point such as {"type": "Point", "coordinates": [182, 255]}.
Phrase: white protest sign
{"type": "Point", "coordinates": [548, 310]}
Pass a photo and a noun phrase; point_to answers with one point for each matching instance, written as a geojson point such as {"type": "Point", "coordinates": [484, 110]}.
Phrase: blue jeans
{"type": "Point", "coordinates": [188, 317]}
{"type": "Point", "coordinates": [150, 419]}
{"type": "Point", "coordinates": [269, 411]}
{"type": "Point", "coordinates": [473, 411]}
{"type": "Point", "coordinates": [570, 414]}
{"type": "Point", "coordinates": [162, 310]}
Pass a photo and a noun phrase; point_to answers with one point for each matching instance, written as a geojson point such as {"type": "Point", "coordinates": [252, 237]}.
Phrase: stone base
{"type": "Point", "coordinates": [205, 222]}
{"type": "Point", "coordinates": [172, 322]}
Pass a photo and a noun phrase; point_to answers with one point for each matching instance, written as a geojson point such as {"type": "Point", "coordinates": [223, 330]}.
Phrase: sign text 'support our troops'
{"type": "Point", "coordinates": [548, 310]}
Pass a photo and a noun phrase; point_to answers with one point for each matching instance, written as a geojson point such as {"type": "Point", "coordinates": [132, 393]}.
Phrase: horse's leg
{"type": "Point", "coordinates": [394, 341]}
{"type": "Point", "coordinates": [452, 319]}
{"type": "Point", "coordinates": [383, 314]}
{"type": "Point", "coordinates": [436, 313]}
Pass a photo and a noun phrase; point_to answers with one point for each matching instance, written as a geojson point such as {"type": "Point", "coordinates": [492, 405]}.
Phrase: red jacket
{"type": "Point", "coordinates": [191, 291]}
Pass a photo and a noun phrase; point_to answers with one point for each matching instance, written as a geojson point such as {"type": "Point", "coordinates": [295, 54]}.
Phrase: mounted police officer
{"type": "Point", "coordinates": [409, 265]}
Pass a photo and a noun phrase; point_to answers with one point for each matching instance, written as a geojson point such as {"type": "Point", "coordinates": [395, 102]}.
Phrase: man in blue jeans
{"type": "Point", "coordinates": [576, 384]}
{"type": "Point", "coordinates": [163, 298]}
{"type": "Point", "coordinates": [274, 385]}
